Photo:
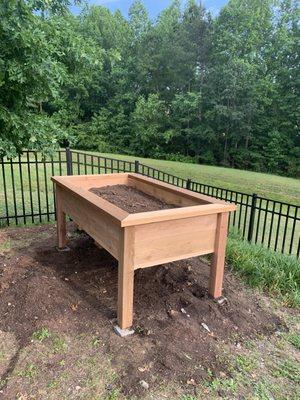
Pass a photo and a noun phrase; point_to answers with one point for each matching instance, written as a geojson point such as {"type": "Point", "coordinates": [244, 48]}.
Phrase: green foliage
{"type": "Point", "coordinates": [30, 371]}
{"type": "Point", "coordinates": [289, 369]}
{"type": "Point", "coordinates": [51, 6]}
{"type": "Point", "coordinates": [41, 334]}
{"type": "Point", "coordinates": [59, 345]}
{"type": "Point", "coordinates": [222, 90]}
{"type": "Point", "coordinates": [148, 125]}
{"type": "Point", "coordinates": [294, 339]}
{"type": "Point", "coordinates": [179, 157]}
{"type": "Point", "coordinates": [276, 273]}
{"type": "Point", "coordinates": [29, 76]}
{"type": "Point", "coordinates": [40, 58]}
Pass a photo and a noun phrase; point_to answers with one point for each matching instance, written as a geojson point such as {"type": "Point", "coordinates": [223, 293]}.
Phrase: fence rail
{"type": "Point", "coordinates": [27, 196]}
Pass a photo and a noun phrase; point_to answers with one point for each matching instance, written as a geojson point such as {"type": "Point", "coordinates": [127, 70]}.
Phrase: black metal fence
{"type": "Point", "coordinates": [27, 196]}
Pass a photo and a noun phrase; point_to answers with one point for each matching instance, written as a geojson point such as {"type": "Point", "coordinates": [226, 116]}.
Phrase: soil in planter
{"type": "Point", "coordinates": [130, 199]}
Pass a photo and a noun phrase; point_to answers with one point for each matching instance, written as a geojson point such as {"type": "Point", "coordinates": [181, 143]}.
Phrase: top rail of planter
{"type": "Point", "coordinates": [207, 205]}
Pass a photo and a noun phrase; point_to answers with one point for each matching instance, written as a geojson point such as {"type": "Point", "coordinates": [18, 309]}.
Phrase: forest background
{"type": "Point", "coordinates": [187, 86]}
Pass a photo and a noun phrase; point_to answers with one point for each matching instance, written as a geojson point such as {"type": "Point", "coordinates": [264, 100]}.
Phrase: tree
{"type": "Point", "coordinates": [139, 20]}
{"type": "Point", "coordinates": [50, 7]}
{"type": "Point", "coordinates": [237, 73]}
{"type": "Point", "coordinates": [149, 121]}
{"type": "Point", "coordinates": [222, 90]}
{"type": "Point", "coordinates": [30, 75]}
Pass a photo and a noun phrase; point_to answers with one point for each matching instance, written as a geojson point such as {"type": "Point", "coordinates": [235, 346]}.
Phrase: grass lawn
{"type": "Point", "coordinates": [267, 226]}
{"type": "Point", "coordinates": [266, 185]}
{"type": "Point", "coordinates": [32, 192]}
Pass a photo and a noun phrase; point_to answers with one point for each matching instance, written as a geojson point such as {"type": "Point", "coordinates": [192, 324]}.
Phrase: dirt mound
{"type": "Point", "coordinates": [178, 327]}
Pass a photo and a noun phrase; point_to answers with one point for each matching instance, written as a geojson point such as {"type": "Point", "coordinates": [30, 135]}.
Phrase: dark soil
{"type": "Point", "coordinates": [130, 199]}
{"type": "Point", "coordinates": [75, 292]}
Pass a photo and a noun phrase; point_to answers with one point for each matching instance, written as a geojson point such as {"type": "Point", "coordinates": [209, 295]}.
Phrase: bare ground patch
{"type": "Point", "coordinates": [55, 313]}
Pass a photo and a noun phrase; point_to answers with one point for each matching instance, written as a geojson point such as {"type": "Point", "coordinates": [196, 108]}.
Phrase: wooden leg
{"type": "Point", "coordinates": [126, 280]}
{"type": "Point", "coordinates": [61, 222]}
{"type": "Point", "coordinates": [218, 260]}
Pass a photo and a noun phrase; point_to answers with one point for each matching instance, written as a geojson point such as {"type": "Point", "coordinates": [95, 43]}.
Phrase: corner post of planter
{"type": "Point", "coordinates": [136, 166]}
{"type": "Point", "coordinates": [69, 161]}
{"type": "Point", "coordinates": [252, 217]}
{"type": "Point", "coordinates": [189, 184]}
{"type": "Point", "coordinates": [60, 221]}
{"type": "Point", "coordinates": [218, 259]}
{"type": "Point", "coordinates": [126, 281]}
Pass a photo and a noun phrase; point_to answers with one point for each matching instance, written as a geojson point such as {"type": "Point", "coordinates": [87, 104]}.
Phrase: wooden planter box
{"type": "Point", "coordinates": [145, 239]}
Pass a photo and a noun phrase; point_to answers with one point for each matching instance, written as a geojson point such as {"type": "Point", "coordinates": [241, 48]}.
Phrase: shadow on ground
{"type": "Point", "coordinates": [72, 295]}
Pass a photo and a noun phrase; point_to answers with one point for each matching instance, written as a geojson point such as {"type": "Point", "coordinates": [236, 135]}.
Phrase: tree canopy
{"type": "Point", "coordinates": [221, 90]}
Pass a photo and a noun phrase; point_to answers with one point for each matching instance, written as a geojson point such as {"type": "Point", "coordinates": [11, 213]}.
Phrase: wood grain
{"type": "Point", "coordinates": [126, 278]}
{"type": "Point", "coordinates": [145, 239]}
{"type": "Point", "coordinates": [218, 260]}
{"type": "Point", "coordinates": [174, 189]}
{"type": "Point", "coordinates": [175, 213]}
{"type": "Point", "coordinates": [163, 194]}
{"type": "Point", "coordinates": [60, 220]}
{"type": "Point", "coordinates": [98, 224]}
{"type": "Point", "coordinates": [165, 241]}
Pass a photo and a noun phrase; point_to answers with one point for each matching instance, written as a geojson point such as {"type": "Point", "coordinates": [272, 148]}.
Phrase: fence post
{"type": "Point", "coordinates": [188, 184]}
{"type": "Point", "coordinates": [252, 217]}
{"type": "Point", "coordinates": [136, 166]}
{"type": "Point", "coordinates": [69, 161]}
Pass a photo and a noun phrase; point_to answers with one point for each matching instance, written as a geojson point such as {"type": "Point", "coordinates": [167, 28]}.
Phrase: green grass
{"type": "Point", "coordinates": [275, 273]}
{"type": "Point", "coordinates": [29, 200]}
{"type": "Point", "coordinates": [262, 373]}
{"type": "Point", "coordinates": [32, 192]}
{"type": "Point", "coordinates": [41, 334]}
{"type": "Point", "coordinates": [294, 339]}
{"type": "Point", "coordinates": [266, 185]}
{"type": "Point", "coordinates": [5, 246]}
{"type": "Point", "coordinates": [59, 345]}
{"type": "Point", "coordinates": [30, 371]}
{"type": "Point", "coordinates": [289, 369]}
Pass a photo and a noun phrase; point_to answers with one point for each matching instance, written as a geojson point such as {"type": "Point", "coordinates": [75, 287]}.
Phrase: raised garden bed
{"type": "Point", "coordinates": [189, 225]}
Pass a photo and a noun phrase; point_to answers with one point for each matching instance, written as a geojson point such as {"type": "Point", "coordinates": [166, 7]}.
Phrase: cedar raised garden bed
{"type": "Point", "coordinates": [194, 225]}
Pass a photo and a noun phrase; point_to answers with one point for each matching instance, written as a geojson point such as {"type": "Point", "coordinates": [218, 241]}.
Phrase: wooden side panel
{"type": "Point", "coordinates": [166, 241]}
{"type": "Point", "coordinates": [87, 182]}
{"type": "Point", "coordinates": [199, 198]}
{"type": "Point", "coordinates": [91, 219]}
{"type": "Point", "coordinates": [164, 194]}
